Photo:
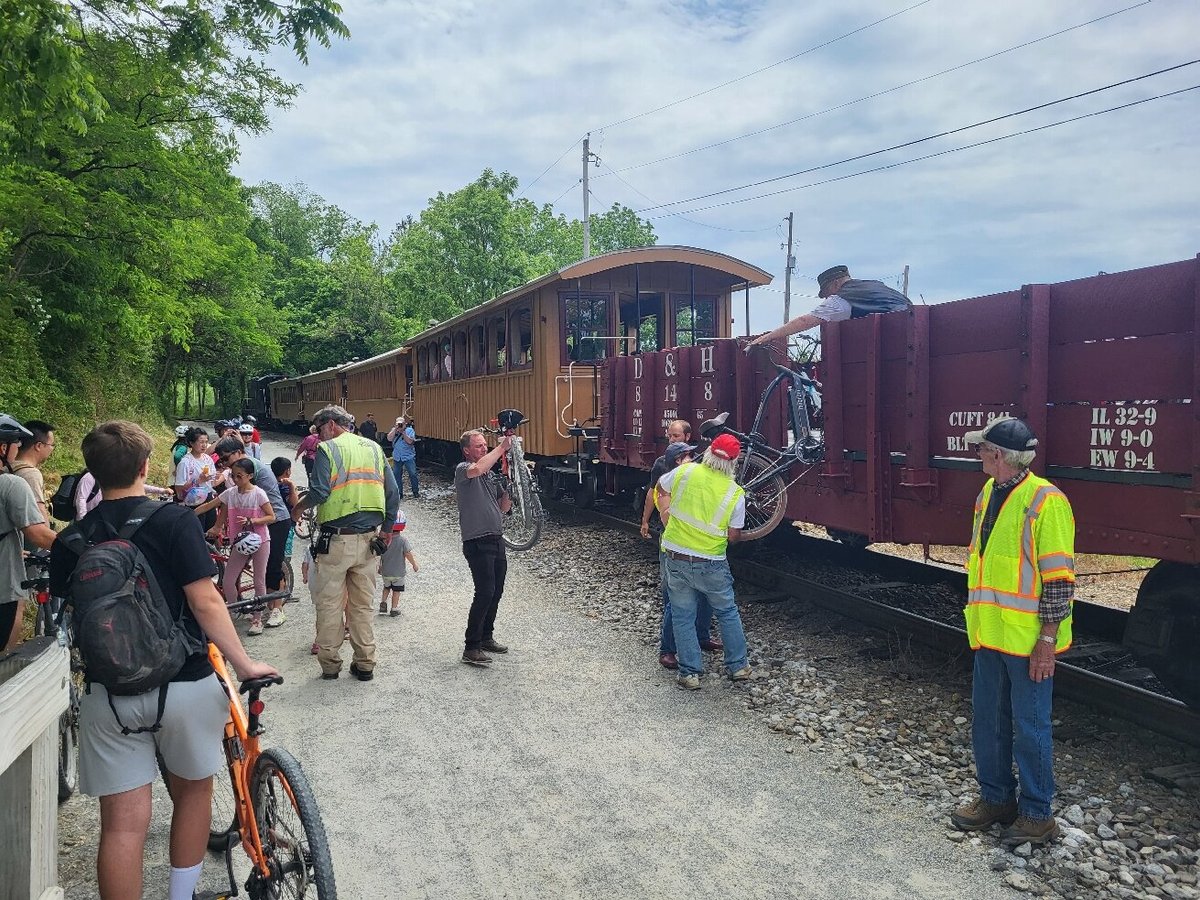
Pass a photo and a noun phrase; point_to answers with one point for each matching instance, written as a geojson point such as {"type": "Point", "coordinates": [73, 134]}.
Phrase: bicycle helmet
{"type": "Point", "coordinates": [251, 420]}
{"type": "Point", "coordinates": [180, 430]}
{"type": "Point", "coordinates": [247, 543]}
{"type": "Point", "coordinates": [246, 428]}
{"type": "Point", "coordinates": [12, 431]}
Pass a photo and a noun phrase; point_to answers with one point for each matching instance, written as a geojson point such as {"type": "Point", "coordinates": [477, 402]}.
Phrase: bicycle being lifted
{"type": "Point", "coordinates": [763, 471]}
{"type": "Point", "coordinates": [522, 524]}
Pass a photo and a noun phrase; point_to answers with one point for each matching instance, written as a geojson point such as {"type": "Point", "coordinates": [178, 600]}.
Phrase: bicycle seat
{"type": "Point", "coordinates": [713, 426]}
{"type": "Point", "coordinates": [257, 684]}
{"type": "Point", "coordinates": [510, 418]}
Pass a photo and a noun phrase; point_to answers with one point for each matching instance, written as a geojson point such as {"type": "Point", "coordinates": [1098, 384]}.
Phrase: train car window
{"type": "Point", "coordinates": [642, 335]}
{"type": "Point", "coordinates": [689, 328]}
{"type": "Point", "coordinates": [478, 349]}
{"type": "Point", "coordinates": [496, 348]}
{"type": "Point", "coordinates": [423, 365]}
{"type": "Point", "coordinates": [459, 369]}
{"type": "Point", "coordinates": [435, 362]}
{"type": "Point", "coordinates": [520, 327]}
{"type": "Point", "coordinates": [585, 326]}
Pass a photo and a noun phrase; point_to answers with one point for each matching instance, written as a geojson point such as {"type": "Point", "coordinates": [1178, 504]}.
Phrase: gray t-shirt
{"type": "Point", "coordinates": [265, 479]}
{"type": "Point", "coordinates": [478, 503]}
{"type": "Point", "coordinates": [391, 564]}
{"type": "Point", "coordinates": [18, 509]}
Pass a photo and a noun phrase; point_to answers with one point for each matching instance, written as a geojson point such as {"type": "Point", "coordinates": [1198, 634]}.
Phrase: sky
{"type": "Point", "coordinates": [424, 96]}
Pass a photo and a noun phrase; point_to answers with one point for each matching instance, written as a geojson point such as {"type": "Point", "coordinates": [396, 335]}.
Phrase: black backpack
{"type": "Point", "coordinates": [62, 504]}
{"type": "Point", "coordinates": [129, 640]}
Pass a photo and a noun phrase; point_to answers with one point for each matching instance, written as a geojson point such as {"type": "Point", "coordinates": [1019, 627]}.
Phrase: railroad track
{"type": "Point", "coordinates": [1079, 676]}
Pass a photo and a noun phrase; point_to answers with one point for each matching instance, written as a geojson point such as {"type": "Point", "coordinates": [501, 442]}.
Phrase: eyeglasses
{"type": "Point", "coordinates": [981, 449]}
{"type": "Point", "coordinates": [48, 444]}
{"type": "Point", "coordinates": [224, 460]}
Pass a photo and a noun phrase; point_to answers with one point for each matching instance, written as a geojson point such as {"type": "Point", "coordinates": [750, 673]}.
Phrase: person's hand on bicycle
{"type": "Point", "coordinates": [214, 535]}
{"type": "Point", "coordinates": [506, 443]}
{"type": "Point", "coordinates": [256, 669]}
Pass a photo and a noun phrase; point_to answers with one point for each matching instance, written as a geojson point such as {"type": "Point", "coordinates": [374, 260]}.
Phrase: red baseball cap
{"type": "Point", "coordinates": [726, 446]}
{"type": "Point", "coordinates": [401, 521]}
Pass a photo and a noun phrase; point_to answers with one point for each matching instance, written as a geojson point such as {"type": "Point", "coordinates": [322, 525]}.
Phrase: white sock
{"type": "Point", "coordinates": [184, 881]}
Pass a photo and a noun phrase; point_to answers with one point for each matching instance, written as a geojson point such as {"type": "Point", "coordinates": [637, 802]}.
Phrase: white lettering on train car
{"type": "Point", "coordinates": [1139, 432]}
{"type": "Point", "coordinates": [706, 360]}
{"type": "Point", "coordinates": [637, 367]}
{"type": "Point", "coordinates": [669, 364]}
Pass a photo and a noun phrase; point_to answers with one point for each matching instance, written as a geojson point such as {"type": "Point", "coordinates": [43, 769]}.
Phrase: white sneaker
{"type": "Point", "coordinates": [276, 618]}
{"type": "Point", "coordinates": [256, 627]}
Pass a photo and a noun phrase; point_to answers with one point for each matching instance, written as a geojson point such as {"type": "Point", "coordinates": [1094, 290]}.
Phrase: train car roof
{"type": "Point", "coordinates": [371, 360]}
{"type": "Point", "coordinates": [742, 274]}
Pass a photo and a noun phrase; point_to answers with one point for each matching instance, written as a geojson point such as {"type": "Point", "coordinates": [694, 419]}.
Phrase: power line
{"type": "Point", "coordinates": [549, 167]}
{"type": "Point", "coordinates": [930, 137]}
{"type": "Point", "coordinates": [882, 93]}
{"type": "Point", "coordinates": [906, 162]}
{"type": "Point", "coordinates": [570, 188]}
{"type": "Point", "coordinates": [682, 217]}
{"type": "Point", "coordinates": [724, 84]}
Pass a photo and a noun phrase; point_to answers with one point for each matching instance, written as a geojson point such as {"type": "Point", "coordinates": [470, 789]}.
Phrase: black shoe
{"type": "Point", "coordinates": [330, 676]}
{"type": "Point", "coordinates": [361, 674]}
{"type": "Point", "coordinates": [491, 646]}
{"type": "Point", "coordinates": [476, 657]}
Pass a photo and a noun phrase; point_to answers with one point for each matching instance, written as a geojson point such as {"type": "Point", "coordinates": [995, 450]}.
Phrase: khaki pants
{"type": "Point", "coordinates": [348, 570]}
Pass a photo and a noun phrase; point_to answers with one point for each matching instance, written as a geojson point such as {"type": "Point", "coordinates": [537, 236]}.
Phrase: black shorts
{"type": "Point", "coordinates": [279, 534]}
{"type": "Point", "coordinates": [8, 615]}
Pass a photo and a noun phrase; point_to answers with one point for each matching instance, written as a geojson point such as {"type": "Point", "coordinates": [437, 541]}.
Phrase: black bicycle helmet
{"type": "Point", "coordinates": [12, 431]}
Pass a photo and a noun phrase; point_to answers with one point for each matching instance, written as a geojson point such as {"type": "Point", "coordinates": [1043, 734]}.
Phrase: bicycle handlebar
{"type": "Point", "coordinates": [255, 603]}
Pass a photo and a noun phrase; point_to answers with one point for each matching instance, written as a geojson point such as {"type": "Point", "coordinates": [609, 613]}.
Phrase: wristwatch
{"type": "Point", "coordinates": [1047, 639]}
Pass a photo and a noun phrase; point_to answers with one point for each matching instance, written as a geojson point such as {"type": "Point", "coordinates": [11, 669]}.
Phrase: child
{"type": "Point", "coordinates": [245, 508]}
{"type": "Point", "coordinates": [391, 565]}
{"type": "Point", "coordinates": [281, 466]}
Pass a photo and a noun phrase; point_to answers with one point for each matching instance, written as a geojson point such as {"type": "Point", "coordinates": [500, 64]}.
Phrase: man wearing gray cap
{"type": "Point", "coordinates": [845, 298]}
{"type": "Point", "coordinates": [1020, 591]}
{"type": "Point", "coordinates": [354, 492]}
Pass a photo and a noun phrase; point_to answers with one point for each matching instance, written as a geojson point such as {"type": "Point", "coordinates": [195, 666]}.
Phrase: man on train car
{"type": "Point", "coordinates": [704, 509]}
{"type": "Point", "coordinates": [845, 298]}
{"type": "Point", "coordinates": [1020, 590]}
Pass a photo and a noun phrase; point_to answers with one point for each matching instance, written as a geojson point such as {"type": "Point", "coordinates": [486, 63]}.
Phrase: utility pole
{"type": "Point", "coordinates": [787, 274]}
{"type": "Point", "coordinates": [588, 156]}
{"type": "Point", "coordinates": [905, 291]}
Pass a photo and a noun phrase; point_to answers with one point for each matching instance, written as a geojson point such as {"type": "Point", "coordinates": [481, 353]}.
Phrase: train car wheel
{"type": "Point", "coordinates": [766, 497]}
{"type": "Point", "coordinates": [1163, 625]}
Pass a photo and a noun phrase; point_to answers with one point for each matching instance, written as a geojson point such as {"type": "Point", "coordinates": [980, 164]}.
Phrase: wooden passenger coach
{"type": "Point", "coordinates": [537, 348]}
{"type": "Point", "coordinates": [381, 385]}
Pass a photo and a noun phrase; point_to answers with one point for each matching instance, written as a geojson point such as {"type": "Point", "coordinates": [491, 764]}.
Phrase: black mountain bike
{"type": "Point", "coordinates": [763, 471]}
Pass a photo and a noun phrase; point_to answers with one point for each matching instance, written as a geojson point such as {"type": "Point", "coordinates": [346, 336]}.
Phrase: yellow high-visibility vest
{"type": "Point", "coordinates": [702, 503]}
{"type": "Point", "coordinates": [356, 477]}
{"type": "Point", "coordinates": [1033, 540]}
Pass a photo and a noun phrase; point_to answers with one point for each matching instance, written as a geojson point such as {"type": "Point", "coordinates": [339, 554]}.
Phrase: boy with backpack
{"type": "Point", "coordinates": [139, 579]}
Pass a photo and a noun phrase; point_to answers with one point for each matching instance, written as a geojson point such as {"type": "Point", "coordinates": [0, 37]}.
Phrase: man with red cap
{"type": "Point", "coordinates": [704, 509]}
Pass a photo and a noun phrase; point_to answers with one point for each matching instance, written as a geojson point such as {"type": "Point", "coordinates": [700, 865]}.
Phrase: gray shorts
{"type": "Point", "coordinates": [193, 725]}
{"type": "Point", "coordinates": [393, 581]}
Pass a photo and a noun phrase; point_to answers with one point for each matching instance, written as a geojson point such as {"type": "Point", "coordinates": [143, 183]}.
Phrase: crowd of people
{"type": "Point", "coordinates": [1020, 581]}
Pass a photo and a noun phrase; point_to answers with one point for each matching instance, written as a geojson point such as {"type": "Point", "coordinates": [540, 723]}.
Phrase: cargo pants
{"type": "Point", "coordinates": [346, 574]}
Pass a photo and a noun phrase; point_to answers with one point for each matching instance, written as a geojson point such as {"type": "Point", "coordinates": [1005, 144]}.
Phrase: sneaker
{"type": "Point", "coordinates": [256, 627]}
{"type": "Point", "coordinates": [712, 646]}
{"type": "Point", "coordinates": [742, 674]}
{"type": "Point", "coordinates": [476, 658]}
{"type": "Point", "coordinates": [688, 682]}
{"type": "Point", "coordinates": [394, 613]}
{"type": "Point", "coordinates": [981, 815]}
{"type": "Point", "coordinates": [1027, 830]}
{"type": "Point", "coordinates": [361, 674]}
{"type": "Point", "coordinates": [383, 607]}
{"type": "Point", "coordinates": [668, 660]}
{"type": "Point", "coordinates": [276, 618]}
{"type": "Point", "coordinates": [491, 646]}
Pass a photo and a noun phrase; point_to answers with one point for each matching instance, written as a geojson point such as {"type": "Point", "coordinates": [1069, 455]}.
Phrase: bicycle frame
{"type": "Point", "coordinates": [796, 385]}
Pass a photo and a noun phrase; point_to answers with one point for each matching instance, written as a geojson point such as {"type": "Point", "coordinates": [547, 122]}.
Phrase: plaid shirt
{"type": "Point", "coordinates": [1055, 602]}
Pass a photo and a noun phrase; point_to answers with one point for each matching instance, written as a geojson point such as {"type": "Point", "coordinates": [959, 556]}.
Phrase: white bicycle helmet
{"type": "Point", "coordinates": [180, 430]}
{"type": "Point", "coordinates": [246, 428]}
{"type": "Point", "coordinates": [248, 543]}
{"type": "Point", "coordinates": [12, 431]}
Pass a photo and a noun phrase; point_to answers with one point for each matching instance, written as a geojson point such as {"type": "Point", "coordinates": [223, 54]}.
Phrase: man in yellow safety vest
{"type": "Point", "coordinates": [355, 493]}
{"type": "Point", "coordinates": [1020, 591]}
{"type": "Point", "coordinates": [703, 509]}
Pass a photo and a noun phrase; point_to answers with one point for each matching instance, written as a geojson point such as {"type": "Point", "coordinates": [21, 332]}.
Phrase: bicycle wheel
{"type": "Point", "coordinates": [523, 523]}
{"type": "Point", "coordinates": [68, 740]}
{"type": "Point", "coordinates": [304, 528]}
{"type": "Point", "coordinates": [766, 496]}
{"type": "Point", "coordinates": [290, 828]}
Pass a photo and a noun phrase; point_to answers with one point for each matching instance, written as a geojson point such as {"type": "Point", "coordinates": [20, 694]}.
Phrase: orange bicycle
{"type": "Point", "coordinates": [267, 801]}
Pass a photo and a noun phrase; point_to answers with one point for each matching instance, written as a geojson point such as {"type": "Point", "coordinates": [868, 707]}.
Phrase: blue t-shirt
{"type": "Point", "coordinates": [401, 449]}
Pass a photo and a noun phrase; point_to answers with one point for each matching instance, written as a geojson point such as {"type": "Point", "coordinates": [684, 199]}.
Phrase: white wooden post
{"type": "Point", "coordinates": [33, 695]}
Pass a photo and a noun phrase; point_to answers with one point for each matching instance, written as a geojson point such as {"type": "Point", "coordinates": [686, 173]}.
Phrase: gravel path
{"type": "Point", "coordinates": [572, 768]}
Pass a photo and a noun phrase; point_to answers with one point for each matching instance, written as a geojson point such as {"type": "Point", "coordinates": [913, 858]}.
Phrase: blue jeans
{"type": "Point", "coordinates": [399, 467]}
{"type": "Point", "coordinates": [666, 641]}
{"type": "Point", "coordinates": [711, 579]}
{"type": "Point", "coordinates": [1012, 721]}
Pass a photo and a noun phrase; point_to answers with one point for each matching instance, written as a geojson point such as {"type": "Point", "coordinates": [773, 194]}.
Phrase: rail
{"type": "Point", "coordinates": [33, 694]}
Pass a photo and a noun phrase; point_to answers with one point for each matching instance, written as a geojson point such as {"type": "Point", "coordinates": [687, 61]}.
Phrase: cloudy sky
{"type": "Point", "coordinates": [425, 95]}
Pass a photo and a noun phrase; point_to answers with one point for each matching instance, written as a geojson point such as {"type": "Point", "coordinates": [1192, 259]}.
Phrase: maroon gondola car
{"type": "Point", "coordinates": [1105, 369]}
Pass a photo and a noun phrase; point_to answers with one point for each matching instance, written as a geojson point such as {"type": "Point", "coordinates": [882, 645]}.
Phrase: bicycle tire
{"type": "Point", "coordinates": [68, 741]}
{"type": "Point", "coordinates": [290, 829]}
{"type": "Point", "coordinates": [766, 497]}
{"type": "Point", "coordinates": [523, 523]}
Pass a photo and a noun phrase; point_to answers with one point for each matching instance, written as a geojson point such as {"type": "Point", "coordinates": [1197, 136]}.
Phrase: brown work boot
{"type": "Point", "coordinates": [980, 815]}
{"type": "Point", "coordinates": [1027, 830]}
